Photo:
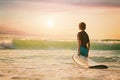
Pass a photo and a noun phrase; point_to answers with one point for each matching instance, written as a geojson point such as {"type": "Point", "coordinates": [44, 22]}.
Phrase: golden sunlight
{"type": "Point", "coordinates": [50, 22]}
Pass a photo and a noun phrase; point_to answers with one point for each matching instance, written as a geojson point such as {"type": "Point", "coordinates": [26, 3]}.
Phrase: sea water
{"type": "Point", "coordinates": [56, 65]}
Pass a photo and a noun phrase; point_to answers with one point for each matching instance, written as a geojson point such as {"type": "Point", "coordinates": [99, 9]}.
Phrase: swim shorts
{"type": "Point", "coordinates": [84, 51]}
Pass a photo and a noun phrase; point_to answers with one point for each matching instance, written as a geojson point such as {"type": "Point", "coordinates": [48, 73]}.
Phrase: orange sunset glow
{"type": "Point", "coordinates": [59, 20]}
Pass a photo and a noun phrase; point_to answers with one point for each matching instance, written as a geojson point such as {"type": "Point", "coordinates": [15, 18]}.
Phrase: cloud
{"type": "Point", "coordinates": [72, 2]}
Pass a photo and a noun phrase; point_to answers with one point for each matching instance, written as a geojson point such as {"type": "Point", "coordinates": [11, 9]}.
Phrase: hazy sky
{"type": "Point", "coordinates": [58, 19]}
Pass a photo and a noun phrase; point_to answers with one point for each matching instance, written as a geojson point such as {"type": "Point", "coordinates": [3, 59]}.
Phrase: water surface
{"type": "Point", "coordinates": [56, 65]}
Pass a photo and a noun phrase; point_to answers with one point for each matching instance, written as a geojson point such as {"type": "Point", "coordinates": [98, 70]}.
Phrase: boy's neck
{"type": "Point", "coordinates": [82, 30]}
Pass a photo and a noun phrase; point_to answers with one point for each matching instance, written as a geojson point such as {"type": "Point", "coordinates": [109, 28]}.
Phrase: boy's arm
{"type": "Point", "coordinates": [79, 44]}
{"type": "Point", "coordinates": [88, 46]}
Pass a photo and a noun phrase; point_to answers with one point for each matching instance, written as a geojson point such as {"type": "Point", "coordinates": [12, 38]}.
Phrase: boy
{"type": "Point", "coordinates": [83, 41]}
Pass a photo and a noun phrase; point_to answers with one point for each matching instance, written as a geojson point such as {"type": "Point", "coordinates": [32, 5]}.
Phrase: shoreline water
{"type": "Point", "coordinates": [54, 65]}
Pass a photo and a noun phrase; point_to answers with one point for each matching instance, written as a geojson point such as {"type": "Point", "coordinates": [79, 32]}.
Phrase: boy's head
{"type": "Point", "coordinates": [82, 26]}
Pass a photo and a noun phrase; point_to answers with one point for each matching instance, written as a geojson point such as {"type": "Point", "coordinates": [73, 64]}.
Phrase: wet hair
{"type": "Point", "coordinates": [82, 26]}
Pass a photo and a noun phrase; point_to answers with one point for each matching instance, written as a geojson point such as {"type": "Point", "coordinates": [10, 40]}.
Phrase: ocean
{"type": "Point", "coordinates": [56, 65]}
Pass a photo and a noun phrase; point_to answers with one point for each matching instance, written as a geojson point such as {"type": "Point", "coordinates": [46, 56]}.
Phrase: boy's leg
{"type": "Point", "coordinates": [84, 52]}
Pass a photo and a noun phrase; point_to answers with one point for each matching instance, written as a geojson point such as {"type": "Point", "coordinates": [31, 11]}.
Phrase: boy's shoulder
{"type": "Point", "coordinates": [81, 32]}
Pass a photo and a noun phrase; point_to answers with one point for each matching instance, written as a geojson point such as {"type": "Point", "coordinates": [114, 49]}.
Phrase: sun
{"type": "Point", "coordinates": [50, 23]}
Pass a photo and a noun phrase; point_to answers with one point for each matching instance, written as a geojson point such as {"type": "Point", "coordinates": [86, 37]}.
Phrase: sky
{"type": "Point", "coordinates": [59, 19]}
